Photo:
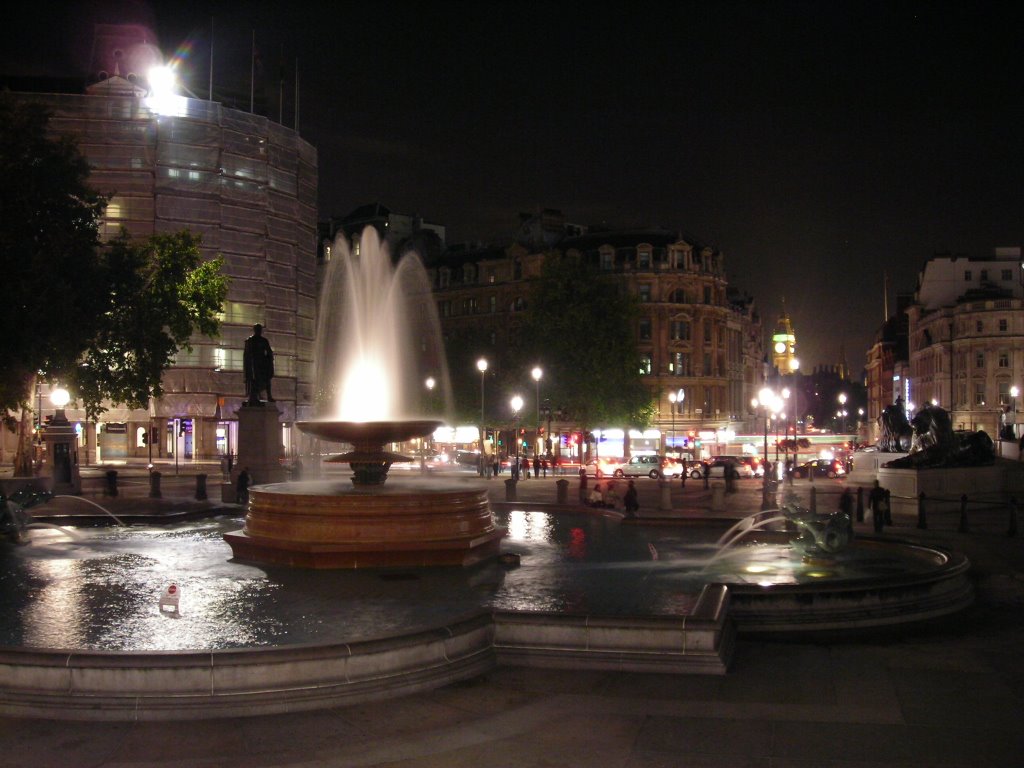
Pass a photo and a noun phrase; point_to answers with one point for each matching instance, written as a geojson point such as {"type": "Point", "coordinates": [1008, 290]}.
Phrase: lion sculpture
{"type": "Point", "coordinates": [935, 444]}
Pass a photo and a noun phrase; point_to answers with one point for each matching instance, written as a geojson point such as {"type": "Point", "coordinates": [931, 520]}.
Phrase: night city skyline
{"type": "Point", "coordinates": [817, 147]}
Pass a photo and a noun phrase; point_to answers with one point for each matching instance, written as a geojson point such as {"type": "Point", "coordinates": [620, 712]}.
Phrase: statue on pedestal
{"type": "Point", "coordinates": [258, 366]}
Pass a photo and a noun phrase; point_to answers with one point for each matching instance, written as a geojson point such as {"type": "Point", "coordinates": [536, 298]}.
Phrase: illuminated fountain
{"type": "Point", "coordinates": [378, 337]}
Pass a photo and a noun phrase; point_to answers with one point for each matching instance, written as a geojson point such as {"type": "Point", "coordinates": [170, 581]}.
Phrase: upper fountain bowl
{"type": "Point", "coordinates": [362, 432]}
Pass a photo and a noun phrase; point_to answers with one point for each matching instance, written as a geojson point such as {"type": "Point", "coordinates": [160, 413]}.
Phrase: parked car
{"type": "Point", "coordinates": [655, 467]}
{"type": "Point", "coordinates": [715, 467]}
{"type": "Point", "coordinates": [820, 468]}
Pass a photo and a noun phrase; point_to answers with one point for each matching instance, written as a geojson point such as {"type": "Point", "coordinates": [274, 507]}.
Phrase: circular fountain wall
{"type": "Point", "coordinates": [331, 524]}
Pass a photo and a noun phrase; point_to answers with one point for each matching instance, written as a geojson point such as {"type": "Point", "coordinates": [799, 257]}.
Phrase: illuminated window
{"type": "Point", "coordinates": [646, 365]}
{"type": "Point", "coordinates": [1004, 359]}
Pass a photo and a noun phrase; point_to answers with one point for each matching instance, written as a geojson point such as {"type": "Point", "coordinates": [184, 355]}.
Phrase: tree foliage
{"type": "Point", "coordinates": [54, 275]}
{"type": "Point", "coordinates": [580, 329]}
{"type": "Point", "coordinates": [161, 292]}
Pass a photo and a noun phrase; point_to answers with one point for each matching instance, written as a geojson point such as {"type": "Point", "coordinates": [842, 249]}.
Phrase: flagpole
{"type": "Point", "coordinates": [252, 75]}
{"type": "Point", "coordinates": [211, 60]}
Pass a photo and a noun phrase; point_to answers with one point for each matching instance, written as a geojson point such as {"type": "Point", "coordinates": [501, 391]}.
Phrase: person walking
{"type": "Point", "coordinates": [536, 466]}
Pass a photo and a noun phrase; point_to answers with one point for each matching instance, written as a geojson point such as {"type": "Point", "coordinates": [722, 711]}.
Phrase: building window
{"type": "Point", "coordinates": [645, 293]}
{"type": "Point", "coordinates": [1007, 274]}
{"type": "Point", "coordinates": [518, 304]}
{"type": "Point", "coordinates": [967, 275]}
{"type": "Point", "coordinates": [444, 308]}
{"type": "Point", "coordinates": [643, 260]}
{"type": "Point", "coordinates": [493, 303]}
{"type": "Point", "coordinates": [517, 270]}
{"type": "Point", "coordinates": [1003, 325]}
{"type": "Point", "coordinates": [984, 275]}
{"type": "Point", "coordinates": [979, 359]}
{"type": "Point", "coordinates": [979, 393]}
{"type": "Point", "coordinates": [607, 261]}
{"type": "Point", "coordinates": [707, 331]}
{"type": "Point", "coordinates": [707, 294]}
{"type": "Point", "coordinates": [645, 329]}
{"type": "Point", "coordinates": [979, 326]}
{"type": "Point", "coordinates": [469, 306]}
{"type": "Point", "coordinates": [1004, 393]}
{"type": "Point", "coordinates": [680, 365]}
{"type": "Point", "coordinates": [680, 330]}
{"type": "Point", "coordinates": [645, 365]}
{"type": "Point", "coordinates": [444, 277]}
{"type": "Point", "coordinates": [1004, 359]}
{"type": "Point", "coordinates": [707, 364]}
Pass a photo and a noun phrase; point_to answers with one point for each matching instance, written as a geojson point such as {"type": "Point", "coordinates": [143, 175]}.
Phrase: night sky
{"type": "Point", "coordinates": [818, 145]}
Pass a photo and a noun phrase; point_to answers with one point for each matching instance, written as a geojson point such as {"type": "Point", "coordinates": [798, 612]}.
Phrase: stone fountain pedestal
{"type": "Point", "coordinates": [365, 524]}
{"type": "Point", "coordinates": [259, 444]}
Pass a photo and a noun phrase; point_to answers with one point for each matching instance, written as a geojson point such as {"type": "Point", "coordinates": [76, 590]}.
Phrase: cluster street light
{"type": "Point", "coordinates": [771, 403]}
{"type": "Point", "coordinates": [673, 398]}
{"type": "Point", "coordinates": [1014, 391]}
{"type": "Point", "coordinates": [481, 366]}
{"type": "Point", "coordinates": [517, 403]}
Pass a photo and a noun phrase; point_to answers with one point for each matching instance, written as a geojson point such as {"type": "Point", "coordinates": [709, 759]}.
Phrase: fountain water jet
{"type": "Point", "coordinates": [378, 337]}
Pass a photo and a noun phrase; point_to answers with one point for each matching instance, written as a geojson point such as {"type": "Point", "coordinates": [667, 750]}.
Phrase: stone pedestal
{"type": "Point", "coordinates": [866, 465]}
{"type": "Point", "coordinates": [259, 444]}
{"type": "Point", "coordinates": [943, 486]}
{"type": "Point", "coordinates": [62, 456]}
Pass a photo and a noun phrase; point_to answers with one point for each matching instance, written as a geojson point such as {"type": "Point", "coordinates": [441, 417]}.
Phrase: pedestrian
{"type": "Point", "coordinates": [524, 468]}
{"type": "Point", "coordinates": [544, 467]}
{"type": "Point", "coordinates": [630, 500]}
{"type": "Point", "coordinates": [242, 490]}
{"type": "Point", "coordinates": [497, 466]}
{"type": "Point", "coordinates": [596, 498]}
{"type": "Point", "coordinates": [536, 465]}
{"type": "Point", "coordinates": [846, 503]}
{"type": "Point", "coordinates": [876, 503]}
{"type": "Point", "coordinates": [297, 469]}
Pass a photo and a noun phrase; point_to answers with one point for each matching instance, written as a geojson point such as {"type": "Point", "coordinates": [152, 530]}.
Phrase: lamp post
{"type": "Point", "coordinates": [537, 373]}
{"type": "Point", "coordinates": [1013, 409]}
{"type": "Point", "coordinates": [764, 400]}
{"type": "Point", "coordinates": [430, 383]}
{"type": "Point", "coordinates": [672, 396]}
{"type": "Point", "coordinates": [481, 366]}
{"type": "Point", "coordinates": [516, 402]}
{"type": "Point", "coordinates": [794, 366]}
{"type": "Point", "coordinates": [842, 409]}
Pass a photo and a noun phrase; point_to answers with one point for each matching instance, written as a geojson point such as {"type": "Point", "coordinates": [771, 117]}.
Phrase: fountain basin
{"type": "Point", "coordinates": [327, 524]}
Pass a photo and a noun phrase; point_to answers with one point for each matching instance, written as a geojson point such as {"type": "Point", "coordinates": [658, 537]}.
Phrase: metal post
{"type": "Point", "coordinates": [814, 499]}
{"type": "Point", "coordinates": [963, 528]}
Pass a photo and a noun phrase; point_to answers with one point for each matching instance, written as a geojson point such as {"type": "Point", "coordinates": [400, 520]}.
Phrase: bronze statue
{"type": "Point", "coordinates": [258, 366]}
{"type": "Point", "coordinates": [937, 444]}
{"type": "Point", "coordinates": [897, 433]}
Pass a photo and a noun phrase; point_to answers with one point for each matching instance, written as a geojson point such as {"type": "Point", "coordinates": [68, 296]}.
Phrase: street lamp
{"type": "Point", "coordinates": [430, 383]}
{"type": "Point", "coordinates": [536, 373]}
{"type": "Point", "coordinates": [794, 366]}
{"type": "Point", "coordinates": [672, 396]}
{"type": "Point", "coordinates": [842, 412]}
{"type": "Point", "coordinates": [1013, 409]}
{"type": "Point", "coordinates": [481, 366]}
{"type": "Point", "coordinates": [516, 402]}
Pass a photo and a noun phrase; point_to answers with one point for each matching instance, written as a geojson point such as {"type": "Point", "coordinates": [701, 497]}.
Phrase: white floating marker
{"type": "Point", "coordinates": [169, 599]}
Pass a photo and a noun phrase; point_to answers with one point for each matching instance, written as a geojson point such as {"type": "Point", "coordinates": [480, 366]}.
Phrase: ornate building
{"type": "Point", "coordinates": [966, 336]}
{"type": "Point", "coordinates": [695, 334]}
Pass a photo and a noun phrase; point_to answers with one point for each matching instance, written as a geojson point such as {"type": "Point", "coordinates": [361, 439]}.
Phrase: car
{"type": "Point", "coordinates": [601, 467]}
{"type": "Point", "coordinates": [653, 466]}
{"type": "Point", "coordinates": [820, 468]}
{"type": "Point", "coordinates": [716, 467]}
{"type": "Point", "coordinates": [755, 464]}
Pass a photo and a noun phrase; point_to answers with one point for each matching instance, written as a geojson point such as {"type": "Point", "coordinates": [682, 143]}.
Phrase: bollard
{"type": "Point", "coordinates": [583, 486]}
{"type": "Point", "coordinates": [111, 488]}
{"type": "Point", "coordinates": [200, 487]}
{"type": "Point", "coordinates": [664, 494]}
{"type": "Point", "coordinates": [860, 504]}
{"type": "Point", "coordinates": [510, 489]}
{"type": "Point", "coordinates": [814, 499]}
{"type": "Point", "coordinates": [963, 528]}
{"type": "Point", "coordinates": [922, 523]}
{"type": "Point", "coordinates": [562, 491]}
{"type": "Point", "coordinates": [154, 485]}
{"type": "Point", "coordinates": [1012, 531]}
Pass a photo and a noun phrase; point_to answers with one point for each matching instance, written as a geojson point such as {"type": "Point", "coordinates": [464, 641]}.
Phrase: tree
{"type": "Point", "coordinates": [161, 292]}
{"type": "Point", "coordinates": [53, 274]}
{"type": "Point", "coordinates": [581, 329]}
{"type": "Point", "coordinates": [105, 320]}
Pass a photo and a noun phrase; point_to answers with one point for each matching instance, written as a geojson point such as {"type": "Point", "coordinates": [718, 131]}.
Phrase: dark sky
{"type": "Point", "coordinates": [817, 144]}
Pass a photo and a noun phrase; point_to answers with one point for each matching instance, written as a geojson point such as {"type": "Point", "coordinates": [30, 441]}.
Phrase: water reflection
{"type": "Point", "coordinates": [102, 589]}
